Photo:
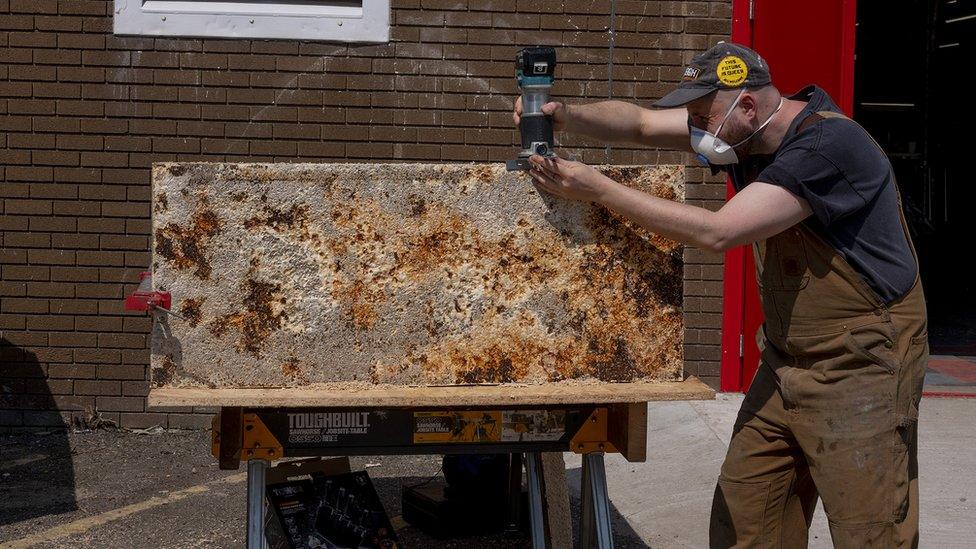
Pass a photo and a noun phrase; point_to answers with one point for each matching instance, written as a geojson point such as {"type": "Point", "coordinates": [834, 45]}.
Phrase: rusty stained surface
{"type": "Point", "coordinates": [296, 274]}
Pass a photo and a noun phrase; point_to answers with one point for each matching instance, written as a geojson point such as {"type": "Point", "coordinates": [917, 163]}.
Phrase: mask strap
{"type": "Point", "coordinates": [727, 113]}
{"type": "Point", "coordinates": [763, 125]}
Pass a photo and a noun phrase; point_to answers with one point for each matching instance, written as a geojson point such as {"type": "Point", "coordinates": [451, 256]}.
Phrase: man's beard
{"type": "Point", "coordinates": [741, 133]}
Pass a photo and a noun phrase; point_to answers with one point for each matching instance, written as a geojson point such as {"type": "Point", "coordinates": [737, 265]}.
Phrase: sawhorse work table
{"type": "Point", "coordinates": [260, 426]}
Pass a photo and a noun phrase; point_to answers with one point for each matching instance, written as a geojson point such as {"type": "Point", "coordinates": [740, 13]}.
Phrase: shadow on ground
{"type": "Point", "coordinates": [36, 471]}
{"type": "Point", "coordinates": [389, 489]}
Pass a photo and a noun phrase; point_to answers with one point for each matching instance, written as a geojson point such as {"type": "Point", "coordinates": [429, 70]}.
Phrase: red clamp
{"type": "Point", "coordinates": [145, 299]}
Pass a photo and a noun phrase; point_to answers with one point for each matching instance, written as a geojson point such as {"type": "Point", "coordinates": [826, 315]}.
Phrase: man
{"type": "Point", "coordinates": [832, 411]}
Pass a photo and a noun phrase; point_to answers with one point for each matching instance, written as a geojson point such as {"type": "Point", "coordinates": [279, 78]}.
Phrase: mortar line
{"type": "Point", "coordinates": [613, 39]}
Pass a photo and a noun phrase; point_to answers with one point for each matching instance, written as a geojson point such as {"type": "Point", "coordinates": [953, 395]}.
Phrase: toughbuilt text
{"type": "Point", "coordinates": [328, 420]}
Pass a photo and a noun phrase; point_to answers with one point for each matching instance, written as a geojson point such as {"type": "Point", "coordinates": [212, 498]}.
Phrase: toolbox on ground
{"type": "Point", "coordinates": [321, 504]}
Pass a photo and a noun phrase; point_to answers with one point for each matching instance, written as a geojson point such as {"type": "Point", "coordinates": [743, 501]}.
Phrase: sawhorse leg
{"type": "Point", "coordinates": [595, 527]}
{"type": "Point", "coordinates": [537, 525]}
{"type": "Point", "coordinates": [514, 494]}
{"type": "Point", "coordinates": [256, 469]}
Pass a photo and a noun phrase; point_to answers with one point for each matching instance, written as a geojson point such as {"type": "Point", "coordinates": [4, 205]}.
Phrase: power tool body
{"type": "Point", "coordinates": [535, 70]}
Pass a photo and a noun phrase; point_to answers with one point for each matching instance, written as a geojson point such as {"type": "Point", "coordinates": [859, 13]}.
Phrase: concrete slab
{"type": "Point", "coordinates": [290, 275]}
{"type": "Point", "coordinates": [947, 460]}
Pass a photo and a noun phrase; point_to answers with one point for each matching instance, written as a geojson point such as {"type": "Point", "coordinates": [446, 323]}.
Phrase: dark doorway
{"type": "Point", "coordinates": [910, 67]}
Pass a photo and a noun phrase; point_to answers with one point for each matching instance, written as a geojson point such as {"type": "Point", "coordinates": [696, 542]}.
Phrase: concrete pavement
{"type": "Point", "coordinates": [665, 501]}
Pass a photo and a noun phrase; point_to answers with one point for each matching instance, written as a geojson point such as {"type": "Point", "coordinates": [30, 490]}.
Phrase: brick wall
{"type": "Point", "coordinates": [84, 113]}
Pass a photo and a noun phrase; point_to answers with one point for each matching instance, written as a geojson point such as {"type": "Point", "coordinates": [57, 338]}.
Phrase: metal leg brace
{"type": "Point", "coordinates": [595, 530]}
{"type": "Point", "coordinates": [256, 469]}
{"type": "Point", "coordinates": [533, 473]}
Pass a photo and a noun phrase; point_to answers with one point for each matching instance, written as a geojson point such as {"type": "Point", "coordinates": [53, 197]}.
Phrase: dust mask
{"type": "Point", "coordinates": [716, 151]}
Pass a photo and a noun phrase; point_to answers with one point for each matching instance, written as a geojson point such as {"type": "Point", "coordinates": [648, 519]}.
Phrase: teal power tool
{"type": "Point", "coordinates": [535, 70]}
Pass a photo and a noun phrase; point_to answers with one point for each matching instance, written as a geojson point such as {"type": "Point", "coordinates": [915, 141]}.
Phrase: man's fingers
{"type": "Point", "coordinates": [552, 164]}
{"type": "Point", "coordinates": [546, 181]}
{"type": "Point", "coordinates": [541, 176]}
{"type": "Point", "coordinates": [544, 171]}
{"type": "Point", "coordinates": [545, 162]}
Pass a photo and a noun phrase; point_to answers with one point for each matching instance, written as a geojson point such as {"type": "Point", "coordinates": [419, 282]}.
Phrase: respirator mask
{"type": "Point", "coordinates": [713, 150]}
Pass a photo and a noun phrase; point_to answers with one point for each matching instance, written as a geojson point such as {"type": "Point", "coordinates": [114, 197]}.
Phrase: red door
{"type": "Point", "coordinates": [804, 43]}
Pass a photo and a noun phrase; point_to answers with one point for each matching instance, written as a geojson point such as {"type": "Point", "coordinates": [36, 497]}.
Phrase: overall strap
{"type": "Point", "coordinates": [820, 115]}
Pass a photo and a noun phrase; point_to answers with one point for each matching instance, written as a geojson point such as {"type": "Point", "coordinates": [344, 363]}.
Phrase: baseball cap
{"type": "Point", "coordinates": [724, 66]}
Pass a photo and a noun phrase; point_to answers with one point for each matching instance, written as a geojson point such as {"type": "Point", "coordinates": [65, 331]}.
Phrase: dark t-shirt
{"type": "Point", "coordinates": [835, 166]}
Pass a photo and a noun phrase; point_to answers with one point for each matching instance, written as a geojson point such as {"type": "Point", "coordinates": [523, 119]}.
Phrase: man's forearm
{"type": "Point", "coordinates": [614, 121]}
{"type": "Point", "coordinates": [680, 222]}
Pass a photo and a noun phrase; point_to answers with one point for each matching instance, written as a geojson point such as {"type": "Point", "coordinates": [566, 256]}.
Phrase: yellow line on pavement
{"type": "Point", "coordinates": [87, 523]}
{"type": "Point", "coordinates": [12, 464]}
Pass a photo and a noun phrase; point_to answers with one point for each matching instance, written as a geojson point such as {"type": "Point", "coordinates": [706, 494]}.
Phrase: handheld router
{"type": "Point", "coordinates": [535, 69]}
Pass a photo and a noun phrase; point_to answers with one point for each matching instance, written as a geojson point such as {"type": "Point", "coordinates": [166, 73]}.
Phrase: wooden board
{"type": "Point", "coordinates": [401, 396]}
{"type": "Point", "coordinates": [627, 430]}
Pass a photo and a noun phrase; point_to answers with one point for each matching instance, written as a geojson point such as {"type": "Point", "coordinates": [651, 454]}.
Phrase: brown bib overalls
{"type": "Point", "coordinates": [832, 410]}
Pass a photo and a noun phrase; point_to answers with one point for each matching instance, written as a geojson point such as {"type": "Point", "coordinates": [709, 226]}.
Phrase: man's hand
{"type": "Point", "coordinates": [558, 111]}
{"type": "Point", "coordinates": [568, 179]}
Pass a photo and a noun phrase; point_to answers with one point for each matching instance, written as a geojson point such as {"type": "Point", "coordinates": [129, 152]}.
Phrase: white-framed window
{"type": "Point", "coordinates": [332, 20]}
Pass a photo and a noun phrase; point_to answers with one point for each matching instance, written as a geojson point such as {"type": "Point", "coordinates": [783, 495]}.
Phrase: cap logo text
{"type": "Point", "coordinates": [732, 71]}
